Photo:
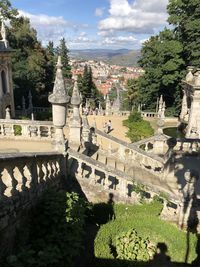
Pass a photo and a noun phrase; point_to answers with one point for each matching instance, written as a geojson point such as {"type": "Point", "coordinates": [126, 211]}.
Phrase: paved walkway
{"type": "Point", "coordinates": [119, 131]}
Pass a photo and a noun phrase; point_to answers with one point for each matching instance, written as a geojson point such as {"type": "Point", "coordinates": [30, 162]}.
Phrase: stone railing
{"type": "Point", "coordinates": [178, 145]}
{"type": "Point", "coordinates": [187, 145]}
{"type": "Point", "coordinates": [146, 114]}
{"type": "Point", "coordinates": [152, 163]}
{"type": "Point", "coordinates": [112, 178]}
{"type": "Point", "coordinates": [26, 129]}
{"type": "Point", "coordinates": [23, 178]}
{"type": "Point", "coordinates": [106, 176]}
{"type": "Point", "coordinates": [124, 113]}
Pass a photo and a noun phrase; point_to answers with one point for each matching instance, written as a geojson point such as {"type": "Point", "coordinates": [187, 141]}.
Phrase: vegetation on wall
{"type": "Point", "coordinates": [55, 234]}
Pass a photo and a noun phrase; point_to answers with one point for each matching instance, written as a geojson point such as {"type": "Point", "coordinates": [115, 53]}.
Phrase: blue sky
{"type": "Point", "coordinates": [95, 23]}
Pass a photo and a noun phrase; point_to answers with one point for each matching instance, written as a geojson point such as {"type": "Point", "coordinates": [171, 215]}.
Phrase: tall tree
{"type": "Point", "coordinates": [29, 61]}
{"type": "Point", "coordinates": [64, 53]}
{"type": "Point", "coordinates": [50, 66]}
{"type": "Point", "coordinates": [184, 15]}
{"type": "Point", "coordinates": [87, 87]}
{"type": "Point", "coordinates": [163, 64]}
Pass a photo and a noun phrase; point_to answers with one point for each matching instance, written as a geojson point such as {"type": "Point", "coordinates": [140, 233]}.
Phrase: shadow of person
{"type": "Point", "coordinates": [111, 213]}
{"type": "Point", "coordinates": [161, 259]}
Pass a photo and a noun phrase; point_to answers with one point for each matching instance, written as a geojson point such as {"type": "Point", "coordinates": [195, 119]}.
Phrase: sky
{"type": "Point", "coordinates": [92, 24]}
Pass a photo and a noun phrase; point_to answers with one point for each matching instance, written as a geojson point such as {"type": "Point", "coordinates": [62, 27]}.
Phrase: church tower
{"type": "Point", "coordinates": [6, 85]}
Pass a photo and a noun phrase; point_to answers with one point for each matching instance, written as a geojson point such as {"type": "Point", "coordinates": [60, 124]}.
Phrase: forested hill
{"type": "Point", "coordinates": [122, 57]}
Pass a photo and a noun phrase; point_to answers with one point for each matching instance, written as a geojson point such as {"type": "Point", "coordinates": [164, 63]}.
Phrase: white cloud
{"type": "Point", "coordinates": [99, 12]}
{"type": "Point", "coordinates": [139, 16]}
{"type": "Point", "coordinates": [119, 40]}
{"type": "Point", "coordinates": [51, 27]}
{"type": "Point", "coordinates": [44, 20]}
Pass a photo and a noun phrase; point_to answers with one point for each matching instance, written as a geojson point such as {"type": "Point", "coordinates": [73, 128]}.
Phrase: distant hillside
{"type": "Point", "coordinates": [122, 57]}
{"type": "Point", "coordinates": [128, 60]}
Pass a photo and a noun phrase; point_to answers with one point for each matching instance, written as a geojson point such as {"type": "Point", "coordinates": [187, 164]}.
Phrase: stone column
{"type": "Point", "coordinates": [59, 100]}
{"type": "Point", "coordinates": [193, 128]}
{"type": "Point", "coordinates": [184, 108]}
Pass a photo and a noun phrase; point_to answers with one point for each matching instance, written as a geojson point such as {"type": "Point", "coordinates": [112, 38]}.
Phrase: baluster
{"type": "Point", "coordinates": [80, 169]}
{"type": "Point", "coordinates": [49, 132]}
{"type": "Point", "coordinates": [123, 187]}
{"type": "Point", "coordinates": [39, 132]}
{"type": "Point", "coordinates": [106, 181]}
{"type": "Point", "coordinates": [19, 178]}
{"type": "Point", "coordinates": [7, 181]}
{"type": "Point", "coordinates": [92, 175]}
{"type": "Point", "coordinates": [27, 175]}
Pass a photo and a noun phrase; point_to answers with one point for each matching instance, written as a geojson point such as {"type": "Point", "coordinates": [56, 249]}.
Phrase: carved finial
{"type": "Point", "coordinates": [59, 94]}
{"type": "Point", "coordinates": [75, 99]}
{"type": "Point", "coordinates": [189, 77]}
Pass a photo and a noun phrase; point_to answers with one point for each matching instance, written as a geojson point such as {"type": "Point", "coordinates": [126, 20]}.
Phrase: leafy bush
{"type": "Point", "coordinates": [138, 128]}
{"type": "Point", "coordinates": [17, 129]}
{"type": "Point", "coordinates": [130, 246]}
{"type": "Point", "coordinates": [145, 220]}
{"type": "Point", "coordinates": [56, 232]}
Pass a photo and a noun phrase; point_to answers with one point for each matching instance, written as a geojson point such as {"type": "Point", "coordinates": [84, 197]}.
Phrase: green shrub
{"type": "Point", "coordinates": [138, 128]}
{"type": "Point", "coordinates": [17, 129]}
{"type": "Point", "coordinates": [56, 232]}
{"type": "Point", "coordinates": [130, 246]}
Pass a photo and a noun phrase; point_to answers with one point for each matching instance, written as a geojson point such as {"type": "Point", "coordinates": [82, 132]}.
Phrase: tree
{"type": "Point", "coordinates": [161, 58]}
{"type": "Point", "coordinates": [7, 11]}
{"type": "Point", "coordinates": [64, 53]}
{"type": "Point", "coordinates": [184, 15]}
{"type": "Point", "coordinates": [132, 91]}
{"type": "Point", "coordinates": [87, 87]}
{"type": "Point", "coordinates": [29, 62]}
{"type": "Point", "coordinates": [50, 67]}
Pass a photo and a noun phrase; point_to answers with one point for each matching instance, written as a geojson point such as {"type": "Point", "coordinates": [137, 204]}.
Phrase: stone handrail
{"type": "Point", "coordinates": [146, 114]}
{"type": "Point", "coordinates": [187, 145]}
{"type": "Point", "coordinates": [137, 153]}
{"type": "Point", "coordinates": [26, 129]}
{"type": "Point", "coordinates": [121, 182]}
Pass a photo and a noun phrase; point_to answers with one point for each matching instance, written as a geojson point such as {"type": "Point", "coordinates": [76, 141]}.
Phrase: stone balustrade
{"type": "Point", "coordinates": [112, 179]}
{"type": "Point", "coordinates": [99, 173]}
{"type": "Point", "coordinates": [187, 145]}
{"type": "Point", "coordinates": [26, 129]}
{"type": "Point", "coordinates": [134, 153]}
{"type": "Point", "coordinates": [146, 114]}
{"type": "Point", "coordinates": [23, 178]}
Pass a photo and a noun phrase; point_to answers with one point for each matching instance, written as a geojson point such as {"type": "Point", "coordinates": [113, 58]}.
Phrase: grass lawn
{"type": "Point", "coordinates": [144, 218]}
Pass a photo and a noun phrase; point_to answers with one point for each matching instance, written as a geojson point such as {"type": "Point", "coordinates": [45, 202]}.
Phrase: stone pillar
{"type": "Point", "coordinates": [160, 106]}
{"type": "Point", "coordinates": [59, 100]}
{"type": "Point", "coordinates": [108, 105]}
{"type": "Point", "coordinates": [184, 107]}
{"type": "Point", "coordinates": [30, 103]}
{"type": "Point", "coordinates": [193, 128]}
{"type": "Point", "coordinates": [75, 121]}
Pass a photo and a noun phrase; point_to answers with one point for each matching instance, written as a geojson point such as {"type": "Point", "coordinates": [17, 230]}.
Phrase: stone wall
{"type": "Point", "coordinates": [24, 177]}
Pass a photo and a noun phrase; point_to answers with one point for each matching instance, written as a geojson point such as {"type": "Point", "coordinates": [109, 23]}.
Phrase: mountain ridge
{"type": "Point", "coordinates": [122, 57]}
